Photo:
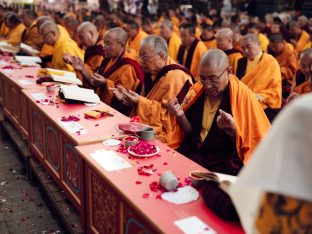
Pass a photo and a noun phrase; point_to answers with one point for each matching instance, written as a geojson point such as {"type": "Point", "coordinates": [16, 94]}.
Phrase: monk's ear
{"type": "Point", "coordinates": [230, 70]}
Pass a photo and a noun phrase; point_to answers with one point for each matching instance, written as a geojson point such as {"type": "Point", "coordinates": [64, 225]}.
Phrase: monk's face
{"type": "Point", "coordinates": [150, 59]}
{"type": "Point", "coordinates": [277, 47]}
{"type": "Point", "coordinates": [295, 31]}
{"type": "Point", "coordinates": [86, 38]}
{"type": "Point", "coordinates": [131, 32]}
{"type": "Point", "coordinates": [275, 28]}
{"type": "Point", "coordinates": [112, 46]}
{"type": "Point", "coordinates": [305, 63]}
{"type": "Point", "coordinates": [223, 42]}
{"type": "Point", "coordinates": [49, 36]}
{"type": "Point", "coordinates": [165, 32]}
{"type": "Point", "coordinates": [186, 37]}
{"type": "Point", "coordinates": [207, 35]}
{"type": "Point", "coordinates": [214, 79]}
{"type": "Point", "coordinates": [250, 48]}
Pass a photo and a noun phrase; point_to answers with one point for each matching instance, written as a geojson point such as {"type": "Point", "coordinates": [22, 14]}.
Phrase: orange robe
{"type": "Point", "coordinates": [134, 43]}
{"type": "Point", "coordinates": [61, 46]}
{"type": "Point", "coordinates": [152, 111]}
{"type": "Point", "coordinates": [190, 58]}
{"type": "Point", "coordinates": [15, 35]}
{"type": "Point", "coordinates": [174, 45]}
{"type": "Point", "coordinates": [32, 37]}
{"type": "Point", "coordinates": [288, 63]}
{"type": "Point", "coordinates": [211, 44]}
{"type": "Point", "coordinates": [4, 30]}
{"type": "Point", "coordinates": [265, 79]}
{"type": "Point", "coordinates": [233, 56]}
{"type": "Point", "coordinates": [305, 87]}
{"type": "Point", "coordinates": [302, 41]}
{"type": "Point", "coordinates": [125, 75]}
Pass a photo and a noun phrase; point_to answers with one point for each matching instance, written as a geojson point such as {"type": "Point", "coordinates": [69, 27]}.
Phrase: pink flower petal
{"type": "Point", "coordinates": [96, 125]}
{"type": "Point", "coordinates": [146, 195]}
{"type": "Point", "coordinates": [165, 163]}
{"type": "Point", "coordinates": [138, 182]}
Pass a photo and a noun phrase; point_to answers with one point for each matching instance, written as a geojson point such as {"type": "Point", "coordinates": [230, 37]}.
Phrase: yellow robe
{"type": "Point", "coordinates": [32, 37]}
{"type": "Point", "coordinates": [308, 45]}
{"type": "Point", "coordinates": [265, 79]}
{"type": "Point", "coordinates": [305, 87]}
{"type": "Point", "coordinates": [264, 42]}
{"type": "Point", "coordinates": [15, 35]}
{"type": "Point", "coordinates": [63, 31]}
{"type": "Point", "coordinates": [124, 76]}
{"type": "Point", "coordinates": [173, 46]}
{"type": "Point", "coordinates": [302, 41]}
{"type": "Point", "coordinates": [61, 46]}
{"type": "Point", "coordinates": [134, 44]}
{"type": "Point", "coordinates": [152, 111]}
{"type": "Point", "coordinates": [198, 53]}
{"type": "Point", "coordinates": [233, 59]}
{"type": "Point", "coordinates": [211, 44]}
{"type": "Point", "coordinates": [288, 63]}
{"type": "Point", "coordinates": [4, 30]}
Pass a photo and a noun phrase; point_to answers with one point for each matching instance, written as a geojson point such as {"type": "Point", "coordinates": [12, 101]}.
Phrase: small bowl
{"type": "Point", "coordinates": [130, 141]}
{"type": "Point", "coordinates": [52, 87]}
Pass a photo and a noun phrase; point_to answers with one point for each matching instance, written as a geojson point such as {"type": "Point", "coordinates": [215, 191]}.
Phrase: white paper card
{"type": "Point", "coordinates": [8, 71]}
{"type": "Point", "coordinates": [73, 127]}
{"type": "Point", "coordinates": [26, 82]}
{"type": "Point", "coordinates": [39, 96]}
{"type": "Point", "coordinates": [110, 160]}
{"type": "Point", "coordinates": [3, 63]}
{"type": "Point", "coordinates": [181, 196]}
{"type": "Point", "coordinates": [193, 225]}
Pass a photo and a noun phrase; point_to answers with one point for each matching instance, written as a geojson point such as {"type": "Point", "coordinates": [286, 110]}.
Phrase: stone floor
{"type": "Point", "coordinates": [23, 208]}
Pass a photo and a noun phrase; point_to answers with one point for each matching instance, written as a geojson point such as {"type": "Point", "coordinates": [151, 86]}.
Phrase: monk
{"type": "Point", "coordinates": [208, 36]}
{"type": "Point", "coordinates": [118, 68]}
{"type": "Point", "coordinates": [31, 35]}
{"type": "Point", "coordinates": [4, 30]}
{"type": "Point", "coordinates": [225, 123]}
{"type": "Point", "coordinates": [299, 37]}
{"type": "Point", "coordinates": [305, 61]}
{"type": "Point", "coordinates": [163, 81]}
{"type": "Point", "coordinates": [61, 45]}
{"type": "Point", "coordinates": [71, 25]}
{"type": "Point", "coordinates": [264, 41]}
{"type": "Point", "coordinates": [286, 58]}
{"type": "Point", "coordinates": [173, 40]}
{"type": "Point", "coordinates": [135, 35]}
{"type": "Point", "coordinates": [261, 73]}
{"type": "Point", "coordinates": [99, 22]}
{"type": "Point", "coordinates": [94, 55]}
{"type": "Point", "coordinates": [16, 26]}
{"type": "Point", "coordinates": [191, 50]}
{"type": "Point", "coordinates": [224, 38]}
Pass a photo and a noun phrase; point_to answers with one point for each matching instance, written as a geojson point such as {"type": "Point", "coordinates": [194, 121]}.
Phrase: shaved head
{"type": "Point", "coordinates": [251, 37]}
{"type": "Point", "coordinates": [119, 34]}
{"type": "Point", "coordinates": [167, 23]}
{"type": "Point", "coordinates": [307, 53]}
{"type": "Point", "coordinates": [49, 26]}
{"type": "Point", "coordinates": [215, 57]}
{"type": "Point", "coordinates": [225, 33]}
{"type": "Point", "coordinates": [49, 32]}
{"type": "Point", "coordinates": [86, 26]}
{"type": "Point", "coordinates": [42, 19]}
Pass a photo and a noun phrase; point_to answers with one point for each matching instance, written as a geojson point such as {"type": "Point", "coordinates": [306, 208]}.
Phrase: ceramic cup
{"type": "Point", "coordinates": [147, 134]}
{"type": "Point", "coordinates": [168, 181]}
{"type": "Point", "coordinates": [130, 141]}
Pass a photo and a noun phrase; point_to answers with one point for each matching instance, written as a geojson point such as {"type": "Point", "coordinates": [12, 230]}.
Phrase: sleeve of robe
{"type": "Point", "coordinates": [198, 54]}
{"type": "Point", "coordinates": [264, 42]}
{"type": "Point", "coordinates": [124, 76]}
{"type": "Point", "coordinates": [15, 35]}
{"type": "Point", "coordinates": [69, 47]}
{"type": "Point", "coordinates": [4, 30]}
{"type": "Point", "coordinates": [289, 67]}
{"type": "Point", "coordinates": [91, 66]}
{"type": "Point", "coordinates": [174, 45]}
{"type": "Point", "coordinates": [219, 201]}
{"type": "Point", "coordinates": [152, 110]}
{"type": "Point", "coordinates": [303, 40]}
{"type": "Point", "coordinates": [233, 59]}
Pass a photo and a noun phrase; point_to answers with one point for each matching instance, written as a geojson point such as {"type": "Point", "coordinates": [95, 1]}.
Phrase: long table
{"type": "Point", "coordinates": [108, 202]}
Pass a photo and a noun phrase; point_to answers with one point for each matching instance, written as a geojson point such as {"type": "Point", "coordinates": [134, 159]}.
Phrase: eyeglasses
{"type": "Point", "coordinates": [144, 58]}
{"type": "Point", "coordinates": [204, 79]}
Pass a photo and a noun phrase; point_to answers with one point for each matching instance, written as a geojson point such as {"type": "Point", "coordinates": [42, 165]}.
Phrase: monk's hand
{"type": "Point", "coordinates": [174, 107]}
{"type": "Point", "coordinates": [131, 98]}
{"type": "Point", "coordinates": [67, 58]}
{"type": "Point", "coordinates": [225, 121]}
{"type": "Point", "coordinates": [77, 63]}
{"type": "Point", "coordinates": [291, 97]}
{"type": "Point", "coordinates": [118, 92]}
{"type": "Point", "coordinates": [98, 80]}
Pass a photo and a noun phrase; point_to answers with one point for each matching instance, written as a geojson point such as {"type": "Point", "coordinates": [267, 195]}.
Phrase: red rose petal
{"type": "Point", "coordinates": [165, 163]}
{"type": "Point", "coordinates": [138, 182]}
{"type": "Point", "coordinates": [158, 197]}
{"type": "Point", "coordinates": [96, 125]}
{"type": "Point", "coordinates": [146, 195]}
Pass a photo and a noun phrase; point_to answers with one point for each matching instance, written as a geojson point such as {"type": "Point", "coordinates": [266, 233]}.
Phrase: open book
{"type": "Point", "coordinates": [63, 76]}
{"type": "Point", "coordinates": [74, 94]}
{"type": "Point", "coordinates": [223, 180]}
{"type": "Point", "coordinates": [8, 48]}
{"type": "Point", "coordinates": [29, 49]}
{"type": "Point", "coordinates": [28, 60]}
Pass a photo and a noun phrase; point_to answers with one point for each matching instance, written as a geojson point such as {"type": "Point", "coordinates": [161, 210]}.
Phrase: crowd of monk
{"type": "Point", "coordinates": [210, 88]}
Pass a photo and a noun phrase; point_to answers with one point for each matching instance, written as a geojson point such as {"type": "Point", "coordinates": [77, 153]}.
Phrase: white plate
{"type": "Point", "coordinates": [111, 142]}
{"type": "Point", "coordinates": [143, 155]}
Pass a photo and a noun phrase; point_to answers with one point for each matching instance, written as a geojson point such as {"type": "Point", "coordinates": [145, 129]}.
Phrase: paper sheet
{"type": "Point", "coordinates": [110, 160]}
{"type": "Point", "coordinates": [181, 196]}
{"type": "Point", "coordinates": [26, 82]}
{"type": "Point", "coordinates": [73, 127]}
{"type": "Point", "coordinates": [193, 225]}
{"type": "Point", "coordinates": [39, 96]}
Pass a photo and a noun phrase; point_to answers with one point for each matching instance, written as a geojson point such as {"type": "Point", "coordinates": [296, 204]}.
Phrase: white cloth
{"type": "Point", "coordinates": [281, 164]}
